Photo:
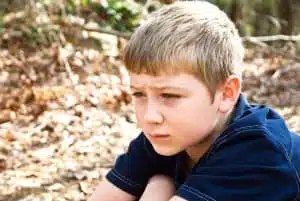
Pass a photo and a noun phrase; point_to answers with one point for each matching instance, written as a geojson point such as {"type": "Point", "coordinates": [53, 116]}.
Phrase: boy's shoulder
{"type": "Point", "coordinates": [259, 119]}
{"type": "Point", "coordinates": [256, 134]}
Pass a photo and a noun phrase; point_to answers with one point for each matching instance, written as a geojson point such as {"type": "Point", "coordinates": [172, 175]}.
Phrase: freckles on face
{"type": "Point", "coordinates": [176, 105]}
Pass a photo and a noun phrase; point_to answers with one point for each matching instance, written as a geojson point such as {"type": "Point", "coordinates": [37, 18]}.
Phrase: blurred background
{"type": "Point", "coordinates": [65, 104]}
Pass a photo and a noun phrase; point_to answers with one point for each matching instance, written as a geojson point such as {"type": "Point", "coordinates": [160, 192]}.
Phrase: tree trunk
{"type": "Point", "coordinates": [236, 15]}
{"type": "Point", "coordinates": [286, 14]}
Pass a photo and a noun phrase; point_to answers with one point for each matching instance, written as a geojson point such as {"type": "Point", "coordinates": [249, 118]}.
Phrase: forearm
{"type": "Point", "coordinates": [159, 188]}
{"type": "Point", "coordinates": [106, 191]}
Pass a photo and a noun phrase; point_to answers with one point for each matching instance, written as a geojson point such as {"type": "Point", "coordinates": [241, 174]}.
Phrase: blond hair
{"type": "Point", "coordinates": [192, 36]}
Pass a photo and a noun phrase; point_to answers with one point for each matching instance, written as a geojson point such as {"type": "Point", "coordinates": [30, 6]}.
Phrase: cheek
{"type": "Point", "coordinates": [187, 112]}
{"type": "Point", "coordinates": [191, 120]}
{"type": "Point", "coordinates": [139, 111]}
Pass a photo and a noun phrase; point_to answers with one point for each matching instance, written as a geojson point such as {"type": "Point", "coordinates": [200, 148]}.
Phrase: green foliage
{"type": "Point", "coordinates": [117, 15]}
{"type": "Point", "coordinates": [121, 15]}
{"type": "Point", "coordinates": [1, 23]}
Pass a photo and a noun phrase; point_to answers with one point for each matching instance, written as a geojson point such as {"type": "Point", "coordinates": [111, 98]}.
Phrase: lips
{"type": "Point", "coordinates": [157, 135]}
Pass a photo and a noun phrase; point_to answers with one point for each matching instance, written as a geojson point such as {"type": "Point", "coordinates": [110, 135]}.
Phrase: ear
{"type": "Point", "coordinates": [229, 93]}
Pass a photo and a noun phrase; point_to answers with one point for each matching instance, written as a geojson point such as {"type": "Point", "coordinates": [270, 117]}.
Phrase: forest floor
{"type": "Point", "coordinates": [66, 114]}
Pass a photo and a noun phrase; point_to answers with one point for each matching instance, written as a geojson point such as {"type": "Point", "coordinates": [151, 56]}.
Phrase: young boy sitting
{"type": "Point", "coordinates": [201, 139]}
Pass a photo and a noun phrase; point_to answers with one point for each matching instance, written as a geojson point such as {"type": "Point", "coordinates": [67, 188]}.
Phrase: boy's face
{"type": "Point", "coordinates": [175, 112]}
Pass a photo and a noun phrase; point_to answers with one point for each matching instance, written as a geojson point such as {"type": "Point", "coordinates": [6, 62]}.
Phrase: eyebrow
{"type": "Point", "coordinates": [160, 88]}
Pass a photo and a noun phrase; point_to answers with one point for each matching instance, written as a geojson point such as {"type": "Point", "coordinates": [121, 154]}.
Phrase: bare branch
{"type": "Point", "coordinates": [254, 41]}
{"type": "Point", "coordinates": [115, 33]}
{"type": "Point", "coordinates": [271, 38]}
{"type": "Point", "coordinates": [257, 40]}
{"type": "Point", "coordinates": [260, 41]}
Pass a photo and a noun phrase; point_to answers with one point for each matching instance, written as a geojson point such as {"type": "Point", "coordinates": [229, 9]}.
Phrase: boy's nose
{"type": "Point", "coordinates": [152, 114]}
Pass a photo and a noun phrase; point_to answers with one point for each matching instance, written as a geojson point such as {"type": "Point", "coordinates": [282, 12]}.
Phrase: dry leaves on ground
{"type": "Point", "coordinates": [62, 127]}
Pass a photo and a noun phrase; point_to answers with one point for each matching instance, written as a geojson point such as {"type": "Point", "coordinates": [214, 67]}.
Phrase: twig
{"type": "Point", "coordinates": [64, 59]}
{"type": "Point", "coordinates": [259, 40]}
{"type": "Point", "coordinates": [271, 38]}
{"type": "Point", "coordinates": [72, 75]}
{"type": "Point", "coordinates": [116, 33]}
{"type": "Point", "coordinates": [255, 42]}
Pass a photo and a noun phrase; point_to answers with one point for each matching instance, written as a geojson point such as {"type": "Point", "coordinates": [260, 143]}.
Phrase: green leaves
{"type": "Point", "coordinates": [121, 15]}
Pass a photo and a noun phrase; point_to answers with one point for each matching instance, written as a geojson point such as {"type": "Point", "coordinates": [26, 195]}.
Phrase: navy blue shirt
{"type": "Point", "coordinates": [256, 158]}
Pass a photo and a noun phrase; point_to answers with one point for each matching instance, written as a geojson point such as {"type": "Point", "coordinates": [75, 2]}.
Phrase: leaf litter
{"type": "Point", "coordinates": [59, 136]}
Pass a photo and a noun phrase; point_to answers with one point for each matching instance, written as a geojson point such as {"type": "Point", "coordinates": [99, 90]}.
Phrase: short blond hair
{"type": "Point", "coordinates": [189, 36]}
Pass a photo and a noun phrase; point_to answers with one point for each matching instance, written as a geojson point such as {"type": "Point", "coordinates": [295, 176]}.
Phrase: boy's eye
{"type": "Point", "coordinates": [163, 95]}
{"type": "Point", "coordinates": [169, 96]}
{"type": "Point", "coordinates": [138, 94]}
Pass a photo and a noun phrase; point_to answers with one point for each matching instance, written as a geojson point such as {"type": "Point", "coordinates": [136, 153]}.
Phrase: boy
{"type": "Point", "coordinates": [201, 140]}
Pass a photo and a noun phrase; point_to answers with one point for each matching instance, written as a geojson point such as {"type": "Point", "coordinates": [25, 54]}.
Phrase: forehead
{"type": "Point", "coordinates": [182, 80]}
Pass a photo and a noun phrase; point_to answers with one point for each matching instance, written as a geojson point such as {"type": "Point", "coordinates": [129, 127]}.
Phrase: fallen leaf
{"type": "Point", "coordinates": [9, 136]}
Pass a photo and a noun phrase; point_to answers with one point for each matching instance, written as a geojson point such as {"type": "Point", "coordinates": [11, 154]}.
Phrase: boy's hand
{"type": "Point", "coordinates": [106, 191]}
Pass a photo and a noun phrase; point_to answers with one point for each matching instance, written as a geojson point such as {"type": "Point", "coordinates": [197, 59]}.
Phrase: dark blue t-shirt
{"type": "Point", "coordinates": [256, 158]}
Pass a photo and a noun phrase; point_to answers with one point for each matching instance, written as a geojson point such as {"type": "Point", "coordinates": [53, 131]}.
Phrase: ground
{"type": "Point", "coordinates": [65, 115]}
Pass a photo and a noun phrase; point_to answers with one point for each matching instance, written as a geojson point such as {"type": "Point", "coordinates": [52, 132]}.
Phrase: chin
{"type": "Point", "coordinates": [166, 151]}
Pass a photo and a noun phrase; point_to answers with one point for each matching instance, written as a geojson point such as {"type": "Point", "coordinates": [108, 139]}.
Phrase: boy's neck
{"type": "Point", "coordinates": [197, 151]}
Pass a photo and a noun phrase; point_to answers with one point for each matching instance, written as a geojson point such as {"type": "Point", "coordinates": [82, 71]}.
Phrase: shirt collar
{"type": "Point", "coordinates": [240, 107]}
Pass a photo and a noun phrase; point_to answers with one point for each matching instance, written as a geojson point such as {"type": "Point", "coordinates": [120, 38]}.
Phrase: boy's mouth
{"type": "Point", "coordinates": [157, 135]}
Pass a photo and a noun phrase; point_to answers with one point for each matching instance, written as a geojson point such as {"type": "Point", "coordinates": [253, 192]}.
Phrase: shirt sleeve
{"type": "Point", "coordinates": [133, 168]}
{"type": "Point", "coordinates": [245, 166]}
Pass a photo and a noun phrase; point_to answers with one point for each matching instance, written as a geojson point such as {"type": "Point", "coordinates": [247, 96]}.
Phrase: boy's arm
{"type": "Point", "coordinates": [105, 191]}
{"type": "Point", "coordinates": [176, 198]}
{"type": "Point", "coordinates": [133, 169]}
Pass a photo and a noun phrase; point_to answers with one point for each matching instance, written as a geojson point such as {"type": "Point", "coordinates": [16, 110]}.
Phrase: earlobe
{"type": "Point", "coordinates": [230, 91]}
